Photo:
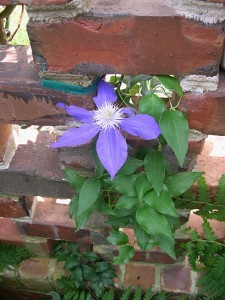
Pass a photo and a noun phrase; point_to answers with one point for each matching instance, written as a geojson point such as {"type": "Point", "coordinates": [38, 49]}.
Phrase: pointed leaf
{"type": "Point", "coordinates": [153, 222]}
{"type": "Point", "coordinates": [125, 184]}
{"type": "Point", "coordinates": [142, 236]}
{"type": "Point", "coordinates": [162, 204]}
{"type": "Point", "coordinates": [174, 128]}
{"type": "Point", "coordinates": [88, 194]}
{"type": "Point", "coordinates": [126, 202]}
{"type": "Point", "coordinates": [125, 254]}
{"type": "Point", "coordinates": [142, 185]}
{"type": "Point", "coordinates": [166, 245]}
{"type": "Point", "coordinates": [82, 219]}
{"type": "Point", "coordinates": [155, 166]}
{"type": "Point", "coordinates": [152, 105]}
{"type": "Point", "coordinates": [130, 166]}
{"type": "Point", "coordinates": [139, 78]}
{"type": "Point", "coordinates": [179, 183]}
{"type": "Point", "coordinates": [170, 83]}
{"type": "Point", "coordinates": [117, 238]}
{"type": "Point", "coordinates": [76, 181]}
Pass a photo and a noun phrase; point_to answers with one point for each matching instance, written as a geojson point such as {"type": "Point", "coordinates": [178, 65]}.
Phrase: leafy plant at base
{"type": "Point", "coordinates": [11, 255]}
{"type": "Point", "coordinates": [85, 270]}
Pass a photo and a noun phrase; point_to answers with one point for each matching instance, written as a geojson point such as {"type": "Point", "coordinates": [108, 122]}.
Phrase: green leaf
{"type": "Point", "coordinates": [125, 184]}
{"type": "Point", "coordinates": [73, 206]}
{"type": "Point", "coordinates": [139, 78]}
{"type": "Point", "coordinates": [153, 222]}
{"type": "Point", "coordinates": [125, 254]}
{"type": "Point", "coordinates": [142, 185]}
{"type": "Point", "coordinates": [152, 105]}
{"type": "Point", "coordinates": [88, 194]}
{"type": "Point", "coordinates": [130, 166]}
{"type": "Point", "coordinates": [142, 236]}
{"type": "Point", "coordinates": [102, 207]}
{"type": "Point", "coordinates": [88, 272]}
{"type": "Point", "coordinates": [72, 261]}
{"type": "Point", "coordinates": [82, 219]}
{"type": "Point", "coordinates": [126, 202]}
{"type": "Point", "coordinates": [101, 266]}
{"type": "Point", "coordinates": [179, 183]}
{"type": "Point", "coordinates": [73, 247]}
{"type": "Point", "coordinates": [155, 166]}
{"type": "Point", "coordinates": [162, 204]}
{"type": "Point", "coordinates": [77, 274]}
{"type": "Point", "coordinates": [117, 238]}
{"type": "Point", "coordinates": [170, 83]}
{"type": "Point", "coordinates": [76, 181]}
{"type": "Point", "coordinates": [174, 128]}
{"type": "Point", "coordinates": [166, 245]}
{"type": "Point", "coordinates": [99, 167]}
{"type": "Point", "coordinates": [90, 256]}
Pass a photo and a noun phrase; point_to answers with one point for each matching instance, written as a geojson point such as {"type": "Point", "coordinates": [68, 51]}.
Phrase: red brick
{"type": "Point", "coordinates": [107, 44]}
{"type": "Point", "coordinates": [195, 222]}
{"type": "Point", "coordinates": [176, 279]}
{"type": "Point", "coordinates": [212, 160]}
{"type": "Point", "coordinates": [12, 208]}
{"type": "Point", "coordinates": [41, 174]}
{"type": "Point", "coordinates": [5, 133]}
{"type": "Point", "coordinates": [33, 2]}
{"type": "Point", "coordinates": [22, 98]}
{"type": "Point", "coordinates": [34, 272]}
{"type": "Point", "coordinates": [206, 110]}
{"type": "Point", "coordinates": [38, 246]}
{"type": "Point", "coordinates": [9, 232]}
{"type": "Point", "coordinates": [139, 274]}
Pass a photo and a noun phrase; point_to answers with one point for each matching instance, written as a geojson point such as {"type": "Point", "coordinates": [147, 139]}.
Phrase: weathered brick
{"type": "Point", "coordinates": [22, 98]}
{"type": "Point", "coordinates": [34, 272]}
{"type": "Point", "coordinates": [176, 279]}
{"type": "Point", "coordinates": [206, 110]}
{"type": "Point", "coordinates": [12, 207]}
{"type": "Point", "coordinates": [139, 274]}
{"type": "Point", "coordinates": [41, 174]}
{"type": "Point", "coordinates": [9, 279]}
{"type": "Point", "coordinates": [9, 232]}
{"type": "Point", "coordinates": [33, 2]}
{"type": "Point", "coordinates": [5, 133]}
{"type": "Point", "coordinates": [38, 246]}
{"type": "Point", "coordinates": [101, 42]}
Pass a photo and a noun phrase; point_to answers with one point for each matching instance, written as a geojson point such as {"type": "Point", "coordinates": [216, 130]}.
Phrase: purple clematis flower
{"type": "Point", "coordinates": [107, 120]}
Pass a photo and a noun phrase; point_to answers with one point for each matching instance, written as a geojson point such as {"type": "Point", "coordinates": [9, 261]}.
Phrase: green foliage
{"type": "Point", "coordinates": [127, 294]}
{"type": "Point", "coordinates": [85, 271]}
{"type": "Point", "coordinates": [142, 194]}
{"type": "Point", "coordinates": [11, 255]}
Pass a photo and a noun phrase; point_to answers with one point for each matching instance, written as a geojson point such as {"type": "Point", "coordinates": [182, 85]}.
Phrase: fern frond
{"type": "Point", "coordinates": [82, 295]}
{"type": "Point", "coordinates": [203, 194]}
{"type": "Point", "coordinates": [138, 293]}
{"type": "Point", "coordinates": [108, 295]}
{"type": "Point", "coordinates": [148, 294]}
{"type": "Point", "coordinates": [220, 191]}
{"type": "Point", "coordinates": [88, 296]}
{"type": "Point", "coordinates": [212, 282]}
{"type": "Point", "coordinates": [126, 294]}
{"type": "Point", "coordinates": [208, 231]}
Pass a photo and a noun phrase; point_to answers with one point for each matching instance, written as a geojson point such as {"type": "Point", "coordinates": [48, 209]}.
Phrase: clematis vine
{"type": "Point", "coordinates": [107, 120]}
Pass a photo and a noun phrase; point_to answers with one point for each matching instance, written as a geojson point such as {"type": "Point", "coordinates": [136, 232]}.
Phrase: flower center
{"type": "Point", "coordinates": [108, 116]}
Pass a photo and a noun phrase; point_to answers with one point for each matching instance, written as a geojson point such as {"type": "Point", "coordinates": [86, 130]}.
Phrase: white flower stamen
{"type": "Point", "coordinates": [108, 116]}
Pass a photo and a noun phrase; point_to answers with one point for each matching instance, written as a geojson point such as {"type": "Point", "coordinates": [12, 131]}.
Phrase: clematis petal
{"type": "Point", "coordinates": [112, 150]}
{"type": "Point", "coordinates": [105, 93]}
{"type": "Point", "coordinates": [128, 111]}
{"type": "Point", "coordinates": [141, 125]}
{"type": "Point", "coordinates": [76, 136]}
{"type": "Point", "coordinates": [80, 114]}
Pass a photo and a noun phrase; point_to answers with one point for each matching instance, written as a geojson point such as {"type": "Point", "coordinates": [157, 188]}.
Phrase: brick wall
{"type": "Point", "coordinates": [76, 41]}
